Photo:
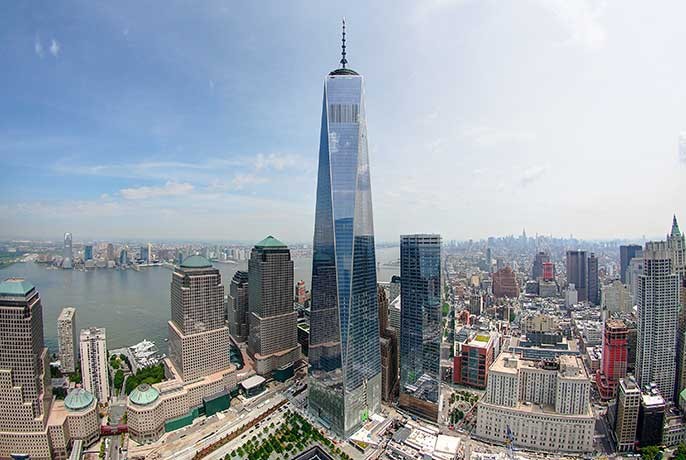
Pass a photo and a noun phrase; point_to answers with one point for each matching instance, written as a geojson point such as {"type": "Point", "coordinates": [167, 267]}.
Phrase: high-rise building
{"type": "Point", "coordinates": [626, 418]}
{"type": "Point", "coordinates": [577, 273]}
{"type": "Point", "coordinates": [144, 254]}
{"type": "Point", "coordinates": [389, 349]}
{"type": "Point", "coordinates": [548, 271]}
{"type": "Point", "coordinates": [66, 339]}
{"type": "Point", "coordinates": [651, 418]}
{"type": "Point", "coordinates": [676, 243]}
{"type": "Point", "coordinates": [626, 253]}
{"type": "Point", "coordinates": [93, 347]}
{"type": "Point", "coordinates": [470, 365]}
{"type": "Point", "coordinates": [110, 251]}
{"type": "Point", "coordinates": [394, 288]}
{"type": "Point", "coordinates": [238, 306]}
{"type": "Point", "coordinates": [537, 404]}
{"type": "Point", "coordinates": [198, 336]}
{"type": "Point", "coordinates": [25, 395]}
{"type": "Point", "coordinates": [88, 252]}
{"type": "Point", "coordinates": [420, 324]}
{"type": "Point", "coordinates": [505, 283]}
{"type": "Point", "coordinates": [124, 257]}
{"type": "Point", "coordinates": [149, 253]}
{"type": "Point", "coordinates": [658, 309]}
{"type": "Point", "coordinates": [616, 297]}
{"type": "Point", "coordinates": [537, 268]}
{"type": "Point", "coordinates": [613, 362]}
{"type": "Point", "coordinates": [301, 294]}
{"type": "Point", "coordinates": [67, 254]}
{"type": "Point", "coordinates": [344, 354]}
{"type": "Point", "coordinates": [593, 280]}
{"type": "Point", "coordinates": [273, 338]}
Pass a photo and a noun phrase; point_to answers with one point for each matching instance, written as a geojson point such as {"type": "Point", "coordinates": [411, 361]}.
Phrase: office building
{"type": "Point", "coordinates": [143, 254]}
{"type": "Point", "coordinates": [273, 338]}
{"type": "Point", "coordinates": [123, 257]}
{"type": "Point", "coordinates": [537, 268]}
{"type": "Point", "coordinates": [651, 418]}
{"type": "Point", "coordinates": [88, 252]}
{"type": "Point", "coordinates": [577, 273]}
{"type": "Point", "coordinates": [626, 253]}
{"type": "Point", "coordinates": [505, 283]}
{"type": "Point", "coordinates": [67, 252]}
{"type": "Point", "coordinates": [476, 304]}
{"type": "Point", "coordinates": [238, 306]}
{"type": "Point", "coordinates": [593, 280]}
{"type": "Point", "coordinates": [93, 347]}
{"type": "Point", "coordinates": [344, 354]}
{"type": "Point", "coordinates": [199, 376]}
{"type": "Point", "coordinates": [66, 339]}
{"type": "Point", "coordinates": [543, 404]}
{"type": "Point", "coordinates": [676, 244]}
{"type": "Point", "coordinates": [626, 418]}
{"type": "Point", "coordinates": [616, 297]}
{"type": "Point", "coordinates": [394, 288]}
{"type": "Point", "coordinates": [470, 365]}
{"type": "Point", "coordinates": [548, 271]}
{"type": "Point", "coordinates": [613, 363]}
{"type": "Point", "coordinates": [658, 309]}
{"type": "Point", "coordinates": [389, 349]}
{"type": "Point", "coordinates": [110, 251]}
{"type": "Point", "coordinates": [197, 320]}
{"type": "Point", "coordinates": [420, 324]}
{"type": "Point", "coordinates": [301, 294]}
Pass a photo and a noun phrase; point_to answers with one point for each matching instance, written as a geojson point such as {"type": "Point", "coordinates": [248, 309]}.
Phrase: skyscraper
{"type": "Point", "coordinates": [67, 255]}
{"type": "Point", "coordinates": [537, 268]}
{"type": "Point", "coordinates": [626, 253]}
{"type": "Point", "coordinates": [88, 252]}
{"type": "Point", "coordinates": [198, 336]}
{"type": "Point", "coordinates": [676, 243]}
{"type": "Point", "coordinates": [613, 362]}
{"type": "Point", "coordinates": [110, 251]}
{"type": "Point", "coordinates": [124, 257]}
{"type": "Point", "coordinates": [593, 280]}
{"type": "Point", "coordinates": [273, 338]}
{"type": "Point", "coordinates": [577, 273]}
{"type": "Point", "coordinates": [25, 394]}
{"type": "Point", "coordinates": [420, 323]}
{"type": "Point", "coordinates": [66, 339]}
{"type": "Point", "coordinates": [238, 306]}
{"type": "Point", "coordinates": [658, 308]}
{"type": "Point", "coordinates": [344, 354]}
{"type": "Point", "coordinates": [389, 348]}
{"type": "Point", "coordinates": [93, 345]}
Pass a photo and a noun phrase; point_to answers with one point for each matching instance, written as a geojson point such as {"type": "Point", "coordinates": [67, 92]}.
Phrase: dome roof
{"type": "Point", "coordinates": [78, 398]}
{"type": "Point", "coordinates": [144, 394]}
{"type": "Point", "coordinates": [270, 242]}
{"type": "Point", "coordinates": [196, 261]}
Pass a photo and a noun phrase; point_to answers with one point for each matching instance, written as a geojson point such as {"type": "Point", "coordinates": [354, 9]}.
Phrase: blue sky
{"type": "Point", "coordinates": [179, 120]}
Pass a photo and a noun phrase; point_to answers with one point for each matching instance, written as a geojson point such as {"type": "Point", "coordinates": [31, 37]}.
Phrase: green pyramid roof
{"type": "Point", "coordinates": [78, 398]}
{"type": "Point", "coordinates": [270, 242]}
{"type": "Point", "coordinates": [144, 394]}
{"type": "Point", "coordinates": [15, 287]}
{"type": "Point", "coordinates": [675, 227]}
{"type": "Point", "coordinates": [196, 262]}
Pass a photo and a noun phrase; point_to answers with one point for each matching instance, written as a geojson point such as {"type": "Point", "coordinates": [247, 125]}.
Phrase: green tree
{"type": "Point", "coordinates": [118, 379]}
{"type": "Point", "coordinates": [680, 452]}
{"type": "Point", "coordinates": [651, 453]}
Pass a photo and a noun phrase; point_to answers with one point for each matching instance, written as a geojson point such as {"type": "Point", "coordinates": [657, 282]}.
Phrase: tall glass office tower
{"type": "Point", "coordinates": [420, 324]}
{"type": "Point", "coordinates": [344, 353]}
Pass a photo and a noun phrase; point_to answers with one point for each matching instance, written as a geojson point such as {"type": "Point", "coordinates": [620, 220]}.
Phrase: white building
{"type": "Point", "coordinates": [93, 345]}
{"type": "Point", "coordinates": [616, 297]}
{"type": "Point", "coordinates": [571, 296]}
{"type": "Point", "coordinates": [66, 339]}
{"type": "Point", "coordinates": [544, 404]}
{"type": "Point", "coordinates": [658, 309]}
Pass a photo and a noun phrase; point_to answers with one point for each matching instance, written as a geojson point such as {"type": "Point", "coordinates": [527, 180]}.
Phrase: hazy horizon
{"type": "Point", "coordinates": [484, 117]}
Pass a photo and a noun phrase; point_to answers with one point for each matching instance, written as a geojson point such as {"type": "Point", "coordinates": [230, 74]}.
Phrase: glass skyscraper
{"type": "Point", "coordinates": [420, 323]}
{"type": "Point", "coordinates": [344, 353]}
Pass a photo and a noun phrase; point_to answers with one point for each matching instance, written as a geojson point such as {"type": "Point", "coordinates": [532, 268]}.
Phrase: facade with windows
{"type": "Point", "coordinates": [420, 324]}
{"type": "Point", "coordinates": [66, 339]}
{"type": "Point", "coordinates": [93, 345]}
{"type": "Point", "coordinates": [344, 349]}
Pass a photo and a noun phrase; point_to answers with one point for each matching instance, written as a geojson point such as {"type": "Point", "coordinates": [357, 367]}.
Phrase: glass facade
{"type": "Point", "coordinates": [344, 353]}
{"type": "Point", "coordinates": [420, 323]}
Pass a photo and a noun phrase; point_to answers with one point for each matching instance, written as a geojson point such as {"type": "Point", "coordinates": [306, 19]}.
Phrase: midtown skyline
{"type": "Point", "coordinates": [128, 129]}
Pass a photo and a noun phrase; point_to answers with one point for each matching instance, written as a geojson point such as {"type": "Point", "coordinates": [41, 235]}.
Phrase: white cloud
{"type": "Point", "coordinates": [38, 47]}
{"type": "Point", "coordinates": [581, 19]}
{"type": "Point", "coordinates": [55, 48]}
{"type": "Point", "coordinates": [532, 174]}
{"type": "Point", "coordinates": [241, 180]}
{"type": "Point", "coordinates": [277, 161]}
{"type": "Point", "coordinates": [488, 136]}
{"type": "Point", "coordinates": [168, 189]}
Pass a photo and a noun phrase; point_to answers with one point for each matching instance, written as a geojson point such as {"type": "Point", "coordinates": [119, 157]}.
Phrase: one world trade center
{"type": "Point", "coordinates": [344, 354]}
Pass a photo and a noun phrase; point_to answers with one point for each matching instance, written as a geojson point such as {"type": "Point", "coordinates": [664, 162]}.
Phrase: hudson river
{"type": "Point", "coordinates": [132, 305]}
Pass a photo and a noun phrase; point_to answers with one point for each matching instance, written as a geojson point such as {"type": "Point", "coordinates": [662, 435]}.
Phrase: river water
{"type": "Point", "coordinates": [132, 305]}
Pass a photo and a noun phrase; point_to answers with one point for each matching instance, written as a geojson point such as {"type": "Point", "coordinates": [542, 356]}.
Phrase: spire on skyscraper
{"type": "Point", "coordinates": [675, 227]}
{"type": "Point", "coordinates": [344, 61]}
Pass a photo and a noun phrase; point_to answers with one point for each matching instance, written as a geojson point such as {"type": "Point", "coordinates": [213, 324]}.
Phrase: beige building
{"type": "Point", "coordinates": [93, 345]}
{"type": "Point", "coordinates": [539, 322]}
{"type": "Point", "coordinates": [273, 338]}
{"type": "Point", "coordinates": [616, 297]}
{"type": "Point", "coordinates": [545, 404]}
{"type": "Point", "coordinates": [66, 339]}
{"type": "Point", "coordinates": [628, 404]}
{"type": "Point", "coordinates": [198, 368]}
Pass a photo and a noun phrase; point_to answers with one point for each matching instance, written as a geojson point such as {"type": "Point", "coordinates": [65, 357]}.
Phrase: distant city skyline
{"type": "Point", "coordinates": [485, 118]}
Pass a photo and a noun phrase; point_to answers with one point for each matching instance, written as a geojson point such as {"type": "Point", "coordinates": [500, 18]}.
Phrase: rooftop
{"type": "Point", "coordinates": [196, 261]}
{"type": "Point", "coordinates": [15, 287]}
{"type": "Point", "coordinates": [78, 398]}
{"type": "Point", "coordinates": [144, 394]}
{"type": "Point", "coordinates": [270, 242]}
{"type": "Point", "coordinates": [252, 382]}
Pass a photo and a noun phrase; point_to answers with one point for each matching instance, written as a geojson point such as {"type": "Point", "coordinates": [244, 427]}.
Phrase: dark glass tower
{"type": "Point", "coordinates": [420, 324]}
{"type": "Point", "coordinates": [344, 354]}
{"type": "Point", "coordinates": [577, 273]}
